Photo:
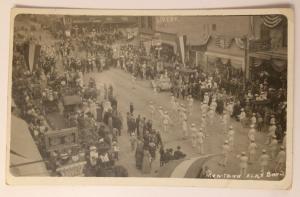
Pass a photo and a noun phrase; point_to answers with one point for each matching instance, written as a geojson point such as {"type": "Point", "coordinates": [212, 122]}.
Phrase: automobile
{"type": "Point", "coordinates": [70, 103]}
{"type": "Point", "coordinates": [162, 84]}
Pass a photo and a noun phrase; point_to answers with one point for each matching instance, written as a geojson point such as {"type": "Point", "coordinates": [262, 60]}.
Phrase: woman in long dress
{"type": "Point", "coordinates": [146, 166]}
{"type": "Point", "coordinates": [139, 153]}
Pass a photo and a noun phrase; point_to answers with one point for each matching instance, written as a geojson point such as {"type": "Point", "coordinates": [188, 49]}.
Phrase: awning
{"type": "Point", "coordinates": [237, 62]}
{"type": "Point", "coordinates": [25, 158]}
{"type": "Point", "coordinates": [185, 168]}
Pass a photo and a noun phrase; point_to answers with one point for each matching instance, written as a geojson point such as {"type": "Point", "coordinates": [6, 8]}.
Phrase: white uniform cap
{"type": "Point", "coordinates": [93, 148]}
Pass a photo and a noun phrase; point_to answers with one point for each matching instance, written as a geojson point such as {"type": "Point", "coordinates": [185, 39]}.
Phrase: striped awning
{"type": "Point", "coordinates": [185, 168]}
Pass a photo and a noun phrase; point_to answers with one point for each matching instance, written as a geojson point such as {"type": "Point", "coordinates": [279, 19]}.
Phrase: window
{"type": "Point", "coordinates": [214, 27]}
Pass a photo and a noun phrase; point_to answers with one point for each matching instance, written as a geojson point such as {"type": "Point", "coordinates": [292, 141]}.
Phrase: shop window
{"type": "Point", "coordinates": [150, 22]}
{"type": "Point", "coordinates": [214, 27]}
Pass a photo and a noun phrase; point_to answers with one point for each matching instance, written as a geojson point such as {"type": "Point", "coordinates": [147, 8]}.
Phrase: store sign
{"type": "Point", "coordinates": [162, 20]}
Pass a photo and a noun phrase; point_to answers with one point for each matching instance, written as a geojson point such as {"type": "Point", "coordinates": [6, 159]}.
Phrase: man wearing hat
{"type": "Point", "coordinates": [225, 154]}
{"type": "Point", "coordinates": [160, 111]}
{"type": "Point", "coordinates": [272, 119]}
{"type": "Point", "coordinates": [264, 161]}
{"type": "Point", "coordinates": [253, 119]}
{"type": "Point", "coordinates": [284, 140]}
{"type": "Point", "coordinates": [183, 115]}
{"type": "Point", "coordinates": [173, 103]}
{"type": "Point", "coordinates": [151, 109]}
{"type": "Point", "coordinates": [280, 160]}
{"type": "Point", "coordinates": [252, 151]}
{"type": "Point", "coordinates": [166, 121]}
{"type": "Point", "coordinates": [271, 132]}
{"type": "Point", "coordinates": [273, 146]}
{"type": "Point", "coordinates": [181, 111]}
{"type": "Point", "coordinates": [200, 136]}
{"type": "Point", "coordinates": [224, 121]}
{"type": "Point", "coordinates": [242, 117]}
{"type": "Point", "coordinates": [190, 104]}
{"type": "Point", "coordinates": [243, 164]}
{"type": "Point", "coordinates": [193, 132]}
{"type": "Point", "coordinates": [203, 122]}
{"type": "Point", "coordinates": [211, 115]}
{"type": "Point", "coordinates": [229, 108]}
{"type": "Point", "coordinates": [213, 104]}
{"type": "Point", "coordinates": [230, 136]}
{"type": "Point", "coordinates": [133, 81]}
{"type": "Point", "coordinates": [185, 127]}
{"type": "Point", "coordinates": [206, 98]}
{"type": "Point", "coordinates": [252, 133]}
{"type": "Point", "coordinates": [93, 156]}
{"type": "Point", "coordinates": [204, 107]}
{"type": "Point", "coordinates": [178, 154]}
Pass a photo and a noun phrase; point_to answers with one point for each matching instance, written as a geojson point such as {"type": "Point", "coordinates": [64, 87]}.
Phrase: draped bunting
{"type": "Point", "coordinates": [204, 40]}
{"type": "Point", "coordinates": [224, 60]}
{"type": "Point", "coordinates": [223, 42]}
{"type": "Point", "coordinates": [240, 43]}
{"type": "Point", "coordinates": [271, 21]}
{"type": "Point", "coordinates": [237, 64]}
{"type": "Point", "coordinates": [279, 65]}
{"type": "Point", "coordinates": [257, 62]}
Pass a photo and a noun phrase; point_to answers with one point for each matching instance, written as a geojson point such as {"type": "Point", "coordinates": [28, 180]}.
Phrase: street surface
{"type": "Point", "coordinates": [140, 97]}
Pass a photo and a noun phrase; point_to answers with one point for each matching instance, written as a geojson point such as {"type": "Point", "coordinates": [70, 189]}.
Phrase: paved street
{"type": "Point", "coordinates": [141, 95]}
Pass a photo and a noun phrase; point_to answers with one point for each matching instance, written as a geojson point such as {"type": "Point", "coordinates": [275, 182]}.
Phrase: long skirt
{"type": "Point", "coordinates": [146, 167]}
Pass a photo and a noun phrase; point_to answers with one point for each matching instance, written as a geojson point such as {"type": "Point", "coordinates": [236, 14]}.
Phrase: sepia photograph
{"type": "Point", "coordinates": [200, 96]}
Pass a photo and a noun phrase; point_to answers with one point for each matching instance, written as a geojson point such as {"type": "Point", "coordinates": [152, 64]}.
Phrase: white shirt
{"type": "Point", "coordinates": [200, 137]}
{"type": "Point", "coordinates": [252, 148]}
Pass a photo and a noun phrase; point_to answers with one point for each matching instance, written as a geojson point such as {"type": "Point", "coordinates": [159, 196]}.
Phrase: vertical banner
{"type": "Point", "coordinates": [26, 53]}
{"type": "Point", "coordinates": [182, 40]}
{"type": "Point", "coordinates": [36, 56]}
{"type": "Point", "coordinates": [32, 52]}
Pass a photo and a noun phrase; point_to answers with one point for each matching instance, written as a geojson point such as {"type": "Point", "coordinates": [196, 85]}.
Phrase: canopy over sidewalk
{"type": "Point", "coordinates": [25, 158]}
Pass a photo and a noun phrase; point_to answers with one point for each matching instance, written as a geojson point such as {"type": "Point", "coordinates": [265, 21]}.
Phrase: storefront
{"type": "Point", "coordinates": [225, 52]}
{"type": "Point", "coordinates": [268, 54]}
{"type": "Point", "coordinates": [25, 158]}
{"type": "Point", "coordinates": [270, 65]}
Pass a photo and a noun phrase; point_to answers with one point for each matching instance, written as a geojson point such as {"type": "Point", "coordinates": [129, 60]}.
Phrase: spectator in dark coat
{"type": "Point", "coordinates": [178, 154]}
